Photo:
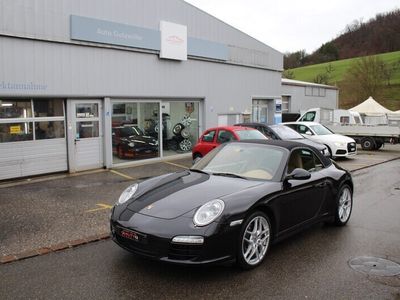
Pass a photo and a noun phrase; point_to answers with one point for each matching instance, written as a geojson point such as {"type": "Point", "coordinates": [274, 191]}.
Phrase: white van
{"type": "Point", "coordinates": [331, 116]}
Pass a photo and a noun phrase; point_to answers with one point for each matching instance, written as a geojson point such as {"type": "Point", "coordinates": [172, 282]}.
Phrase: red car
{"type": "Point", "coordinates": [213, 137]}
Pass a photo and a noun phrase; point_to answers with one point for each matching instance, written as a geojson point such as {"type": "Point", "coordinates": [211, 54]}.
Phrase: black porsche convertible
{"type": "Point", "coordinates": [232, 204]}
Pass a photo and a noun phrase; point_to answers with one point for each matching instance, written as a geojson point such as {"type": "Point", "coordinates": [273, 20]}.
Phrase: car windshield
{"type": "Point", "coordinates": [320, 130]}
{"type": "Point", "coordinates": [250, 135]}
{"type": "Point", "coordinates": [130, 130]}
{"type": "Point", "coordinates": [246, 160]}
{"type": "Point", "coordinates": [286, 133]}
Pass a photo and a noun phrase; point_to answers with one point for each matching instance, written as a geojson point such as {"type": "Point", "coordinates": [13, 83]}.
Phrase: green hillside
{"type": "Point", "coordinates": [391, 94]}
{"type": "Point", "coordinates": [340, 66]}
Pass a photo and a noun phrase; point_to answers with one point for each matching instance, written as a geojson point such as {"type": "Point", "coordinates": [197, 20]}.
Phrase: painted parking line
{"type": "Point", "coordinates": [122, 174]}
{"type": "Point", "coordinates": [102, 207]}
{"type": "Point", "coordinates": [176, 165]}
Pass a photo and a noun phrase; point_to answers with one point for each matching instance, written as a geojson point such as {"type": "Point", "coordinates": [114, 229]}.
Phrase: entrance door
{"type": "Point", "coordinates": [260, 111]}
{"type": "Point", "coordinates": [85, 135]}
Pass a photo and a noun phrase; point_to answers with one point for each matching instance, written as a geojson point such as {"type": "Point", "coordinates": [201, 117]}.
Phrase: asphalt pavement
{"type": "Point", "coordinates": [50, 213]}
{"type": "Point", "coordinates": [311, 265]}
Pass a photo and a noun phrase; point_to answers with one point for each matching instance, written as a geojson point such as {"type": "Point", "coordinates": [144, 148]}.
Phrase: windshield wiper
{"type": "Point", "coordinates": [228, 175]}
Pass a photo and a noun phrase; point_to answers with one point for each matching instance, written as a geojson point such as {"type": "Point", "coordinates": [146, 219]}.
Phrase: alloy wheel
{"type": "Point", "coordinates": [255, 240]}
{"type": "Point", "coordinates": [344, 207]}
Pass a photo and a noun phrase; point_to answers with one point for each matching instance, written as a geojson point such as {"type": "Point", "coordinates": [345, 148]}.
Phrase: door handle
{"type": "Point", "coordinates": [320, 185]}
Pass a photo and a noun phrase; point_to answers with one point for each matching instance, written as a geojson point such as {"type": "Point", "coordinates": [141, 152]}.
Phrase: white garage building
{"type": "Point", "coordinates": [75, 74]}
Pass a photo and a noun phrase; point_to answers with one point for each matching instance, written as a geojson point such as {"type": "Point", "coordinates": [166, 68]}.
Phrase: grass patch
{"type": "Point", "coordinates": [308, 73]}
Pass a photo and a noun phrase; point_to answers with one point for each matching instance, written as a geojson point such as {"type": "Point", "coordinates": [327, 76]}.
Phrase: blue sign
{"type": "Point", "coordinates": [107, 32]}
{"type": "Point", "coordinates": [202, 48]}
{"type": "Point", "coordinates": [100, 31]}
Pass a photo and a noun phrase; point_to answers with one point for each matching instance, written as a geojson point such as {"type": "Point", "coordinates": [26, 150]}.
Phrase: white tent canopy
{"type": "Point", "coordinates": [371, 108]}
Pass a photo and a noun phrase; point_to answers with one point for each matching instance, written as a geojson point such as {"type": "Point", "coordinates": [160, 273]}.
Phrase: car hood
{"type": "Point", "coordinates": [176, 194]}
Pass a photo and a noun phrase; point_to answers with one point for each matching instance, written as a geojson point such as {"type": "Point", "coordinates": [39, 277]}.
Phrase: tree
{"type": "Point", "coordinates": [389, 70]}
{"type": "Point", "coordinates": [289, 74]}
{"type": "Point", "coordinates": [294, 60]}
{"type": "Point", "coordinates": [364, 78]}
{"type": "Point", "coordinates": [325, 77]}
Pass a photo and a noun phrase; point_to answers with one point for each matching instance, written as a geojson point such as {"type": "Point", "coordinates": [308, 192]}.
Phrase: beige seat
{"type": "Point", "coordinates": [294, 162]}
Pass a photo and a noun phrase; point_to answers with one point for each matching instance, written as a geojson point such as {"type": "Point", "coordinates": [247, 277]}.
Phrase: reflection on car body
{"type": "Point", "coordinates": [130, 141]}
{"type": "Point", "coordinates": [232, 204]}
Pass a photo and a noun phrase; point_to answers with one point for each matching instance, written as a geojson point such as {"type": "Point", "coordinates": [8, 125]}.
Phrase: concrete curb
{"type": "Point", "coordinates": [5, 259]}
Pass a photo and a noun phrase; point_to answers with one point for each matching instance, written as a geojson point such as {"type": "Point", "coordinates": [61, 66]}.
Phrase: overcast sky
{"type": "Point", "coordinates": [291, 25]}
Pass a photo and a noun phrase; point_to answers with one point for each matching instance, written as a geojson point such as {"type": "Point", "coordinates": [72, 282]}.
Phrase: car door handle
{"type": "Point", "coordinates": [320, 185]}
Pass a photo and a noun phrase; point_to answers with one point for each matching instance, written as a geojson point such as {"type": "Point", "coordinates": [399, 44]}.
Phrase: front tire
{"type": "Point", "coordinates": [254, 240]}
{"type": "Point", "coordinates": [120, 152]}
{"type": "Point", "coordinates": [344, 205]}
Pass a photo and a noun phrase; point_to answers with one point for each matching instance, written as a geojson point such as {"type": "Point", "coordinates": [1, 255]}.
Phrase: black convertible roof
{"type": "Point", "coordinates": [290, 145]}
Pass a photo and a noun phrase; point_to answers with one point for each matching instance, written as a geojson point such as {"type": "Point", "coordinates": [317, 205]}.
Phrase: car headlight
{"type": "Point", "coordinates": [340, 144]}
{"type": "Point", "coordinates": [127, 194]}
{"type": "Point", "coordinates": [131, 144]}
{"type": "Point", "coordinates": [208, 212]}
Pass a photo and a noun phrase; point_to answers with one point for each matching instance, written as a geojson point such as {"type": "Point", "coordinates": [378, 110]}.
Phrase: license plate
{"type": "Point", "coordinates": [131, 235]}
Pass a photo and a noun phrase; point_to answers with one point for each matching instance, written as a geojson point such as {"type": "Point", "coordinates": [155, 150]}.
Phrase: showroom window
{"type": "Point", "coordinates": [31, 119]}
{"type": "Point", "coordinates": [137, 134]}
{"type": "Point", "coordinates": [180, 126]}
{"type": "Point", "coordinates": [135, 130]}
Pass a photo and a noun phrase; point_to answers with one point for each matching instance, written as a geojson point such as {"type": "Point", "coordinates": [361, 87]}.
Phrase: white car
{"type": "Point", "coordinates": [338, 145]}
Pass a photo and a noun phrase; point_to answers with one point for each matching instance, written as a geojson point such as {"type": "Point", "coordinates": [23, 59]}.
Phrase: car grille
{"type": "Point", "coordinates": [184, 252]}
{"type": "Point", "coordinates": [136, 247]}
{"type": "Point", "coordinates": [341, 151]}
{"type": "Point", "coordinates": [351, 147]}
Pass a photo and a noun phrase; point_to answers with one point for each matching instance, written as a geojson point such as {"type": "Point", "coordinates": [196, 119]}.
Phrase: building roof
{"type": "Point", "coordinates": [286, 81]}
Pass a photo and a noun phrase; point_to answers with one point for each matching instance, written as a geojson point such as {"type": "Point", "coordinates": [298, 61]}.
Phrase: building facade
{"type": "Point", "coordinates": [298, 96]}
{"type": "Point", "coordinates": [98, 83]}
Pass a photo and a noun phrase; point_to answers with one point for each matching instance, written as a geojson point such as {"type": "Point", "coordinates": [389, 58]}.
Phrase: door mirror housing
{"type": "Point", "coordinates": [298, 174]}
{"type": "Point", "coordinates": [308, 132]}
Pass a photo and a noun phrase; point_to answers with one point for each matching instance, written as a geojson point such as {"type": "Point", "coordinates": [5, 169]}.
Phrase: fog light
{"type": "Point", "coordinates": [188, 239]}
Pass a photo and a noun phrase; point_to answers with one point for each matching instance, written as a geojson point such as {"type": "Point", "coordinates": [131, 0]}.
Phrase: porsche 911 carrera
{"type": "Point", "coordinates": [232, 204]}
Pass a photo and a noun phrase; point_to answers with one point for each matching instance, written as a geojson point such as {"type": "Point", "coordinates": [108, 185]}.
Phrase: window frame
{"type": "Point", "coordinates": [32, 119]}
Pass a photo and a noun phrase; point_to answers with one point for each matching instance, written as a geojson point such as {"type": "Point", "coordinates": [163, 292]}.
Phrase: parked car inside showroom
{"type": "Point", "coordinates": [232, 204]}
{"type": "Point", "coordinates": [213, 137]}
{"type": "Point", "coordinates": [129, 141]}
{"type": "Point", "coordinates": [282, 132]}
{"type": "Point", "coordinates": [338, 145]}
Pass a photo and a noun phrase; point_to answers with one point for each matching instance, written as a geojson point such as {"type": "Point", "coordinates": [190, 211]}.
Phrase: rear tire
{"type": "Point", "coordinates": [368, 144]}
{"type": "Point", "coordinates": [254, 240]}
{"type": "Point", "coordinates": [196, 157]}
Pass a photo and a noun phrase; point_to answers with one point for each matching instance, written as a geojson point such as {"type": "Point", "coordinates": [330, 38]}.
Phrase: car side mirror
{"type": "Point", "coordinates": [308, 132]}
{"type": "Point", "coordinates": [298, 174]}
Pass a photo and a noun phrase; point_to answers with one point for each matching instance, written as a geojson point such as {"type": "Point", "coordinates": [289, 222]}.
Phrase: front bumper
{"type": "Point", "coordinates": [141, 152]}
{"type": "Point", "coordinates": [155, 236]}
{"type": "Point", "coordinates": [349, 150]}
